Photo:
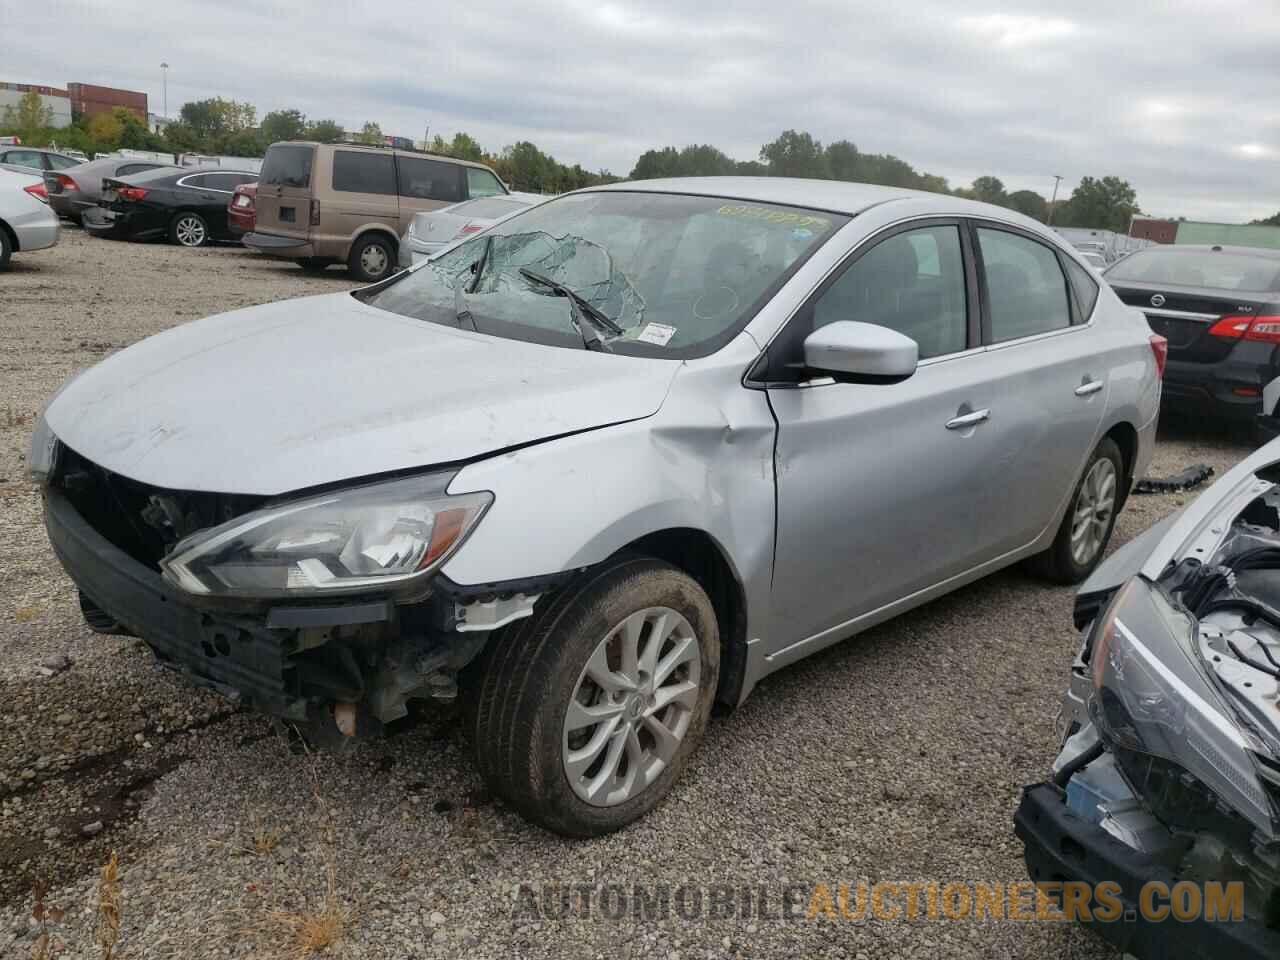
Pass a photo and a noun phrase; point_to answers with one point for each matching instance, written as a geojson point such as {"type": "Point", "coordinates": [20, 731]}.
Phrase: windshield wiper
{"type": "Point", "coordinates": [477, 268]}
{"type": "Point", "coordinates": [580, 310]}
{"type": "Point", "coordinates": [460, 309]}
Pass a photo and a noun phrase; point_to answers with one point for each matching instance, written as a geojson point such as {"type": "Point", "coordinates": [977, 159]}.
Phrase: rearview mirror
{"type": "Point", "coordinates": [860, 352]}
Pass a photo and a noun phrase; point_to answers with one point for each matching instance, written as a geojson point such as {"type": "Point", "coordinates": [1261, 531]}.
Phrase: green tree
{"type": "Point", "coordinates": [1106, 204]}
{"type": "Point", "coordinates": [842, 160]}
{"type": "Point", "coordinates": [1272, 221]}
{"type": "Point", "coordinates": [106, 129]}
{"type": "Point", "coordinates": [464, 147]}
{"type": "Point", "coordinates": [241, 143]}
{"type": "Point", "coordinates": [656, 164]}
{"type": "Point", "coordinates": [795, 155]}
{"type": "Point", "coordinates": [283, 125]}
{"type": "Point", "coordinates": [29, 119]}
{"type": "Point", "coordinates": [324, 131]}
{"type": "Point", "coordinates": [371, 133]}
{"type": "Point", "coordinates": [989, 190]}
{"type": "Point", "coordinates": [215, 118]}
{"type": "Point", "coordinates": [1030, 203]}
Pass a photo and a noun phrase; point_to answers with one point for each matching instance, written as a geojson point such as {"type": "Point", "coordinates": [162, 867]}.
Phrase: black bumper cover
{"type": "Point", "coordinates": [243, 658]}
{"type": "Point", "coordinates": [1060, 846]}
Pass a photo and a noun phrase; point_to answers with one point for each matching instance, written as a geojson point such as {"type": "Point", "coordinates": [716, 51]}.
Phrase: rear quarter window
{"type": "Point", "coordinates": [356, 172]}
{"type": "Point", "coordinates": [288, 166]}
{"type": "Point", "coordinates": [1084, 287]}
{"type": "Point", "coordinates": [424, 179]}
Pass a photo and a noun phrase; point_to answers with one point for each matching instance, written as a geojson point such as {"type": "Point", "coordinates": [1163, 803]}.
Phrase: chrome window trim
{"type": "Point", "coordinates": [1178, 314]}
{"type": "Point", "coordinates": [182, 182]}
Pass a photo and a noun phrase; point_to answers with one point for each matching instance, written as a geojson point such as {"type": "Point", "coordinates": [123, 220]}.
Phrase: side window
{"type": "Point", "coordinates": [482, 183]}
{"type": "Point", "coordinates": [1026, 290]}
{"type": "Point", "coordinates": [130, 168]}
{"type": "Point", "coordinates": [912, 282]}
{"type": "Point", "coordinates": [424, 179]}
{"type": "Point", "coordinates": [1086, 289]}
{"type": "Point", "coordinates": [200, 182]}
{"type": "Point", "coordinates": [227, 182]}
{"type": "Point", "coordinates": [355, 172]}
{"type": "Point", "coordinates": [25, 158]}
{"type": "Point", "coordinates": [62, 163]}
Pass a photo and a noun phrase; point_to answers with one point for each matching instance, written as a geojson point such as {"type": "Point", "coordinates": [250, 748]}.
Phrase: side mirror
{"type": "Point", "coordinates": [860, 353]}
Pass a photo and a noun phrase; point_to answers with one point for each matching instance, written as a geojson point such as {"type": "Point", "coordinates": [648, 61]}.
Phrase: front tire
{"type": "Point", "coordinates": [589, 710]}
{"type": "Point", "coordinates": [189, 229]}
{"type": "Point", "coordinates": [6, 248]}
{"type": "Point", "coordinates": [1091, 516]}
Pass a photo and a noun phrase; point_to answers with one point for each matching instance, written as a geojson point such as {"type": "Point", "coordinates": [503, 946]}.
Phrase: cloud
{"type": "Point", "coordinates": [1176, 96]}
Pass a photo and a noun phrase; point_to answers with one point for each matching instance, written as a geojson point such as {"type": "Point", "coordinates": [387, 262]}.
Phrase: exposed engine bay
{"type": "Point", "coordinates": [1230, 607]}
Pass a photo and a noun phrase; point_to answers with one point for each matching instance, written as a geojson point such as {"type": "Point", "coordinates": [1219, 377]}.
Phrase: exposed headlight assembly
{"type": "Point", "coordinates": [1154, 705]}
{"type": "Point", "coordinates": [379, 536]}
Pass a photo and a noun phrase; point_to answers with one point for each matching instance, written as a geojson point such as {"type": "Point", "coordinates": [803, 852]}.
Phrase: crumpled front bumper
{"type": "Point", "coordinates": [1061, 846]}
{"type": "Point", "coordinates": [247, 657]}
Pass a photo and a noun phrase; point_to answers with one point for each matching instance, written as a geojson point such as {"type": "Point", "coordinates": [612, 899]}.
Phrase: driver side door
{"type": "Point", "coordinates": [883, 489]}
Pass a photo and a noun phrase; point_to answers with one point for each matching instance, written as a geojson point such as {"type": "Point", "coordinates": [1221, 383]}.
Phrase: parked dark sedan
{"type": "Point", "coordinates": [1219, 308]}
{"type": "Point", "coordinates": [73, 191]}
{"type": "Point", "coordinates": [189, 207]}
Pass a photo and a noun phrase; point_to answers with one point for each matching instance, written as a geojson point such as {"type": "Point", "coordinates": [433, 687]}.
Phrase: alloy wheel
{"type": "Point", "coordinates": [632, 706]}
{"type": "Point", "coordinates": [190, 231]}
{"type": "Point", "coordinates": [1094, 507]}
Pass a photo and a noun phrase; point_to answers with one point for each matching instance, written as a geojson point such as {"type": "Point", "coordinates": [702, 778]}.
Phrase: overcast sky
{"type": "Point", "coordinates": [1180, 97]}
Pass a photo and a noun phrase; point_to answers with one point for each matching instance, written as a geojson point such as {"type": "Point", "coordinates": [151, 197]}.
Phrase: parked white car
{"type": "Point", "coordinates": [27, 222]}
{"type": "Point", "coordinates": [431, 231]}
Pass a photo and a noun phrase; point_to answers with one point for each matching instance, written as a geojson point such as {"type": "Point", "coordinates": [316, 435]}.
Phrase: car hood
{"type": "Point", "coordinates": [300, 393]}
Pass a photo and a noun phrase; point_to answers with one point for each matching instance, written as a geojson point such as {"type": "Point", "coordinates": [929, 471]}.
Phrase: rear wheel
{"type": "Point", "coordinates": [1091, 516]}
{"type": "Point", "coordinates": [371, 259]}
{"type": "Point", "coordinates": [589, 710]}
{"type": "Point", "coordinates": [189, 230]}
{"type": "Point", "coordinates": [6, 248]}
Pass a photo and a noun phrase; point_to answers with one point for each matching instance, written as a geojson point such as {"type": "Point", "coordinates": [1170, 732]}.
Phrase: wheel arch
{"type": "Point", "coordinates": [1125, 436]}
{"type": "Point", "coordinates": [379, 228]}
{"type": "Point", "coordinates": [12, 235]}
{"type": "Point", "coordinates": [699, 555]}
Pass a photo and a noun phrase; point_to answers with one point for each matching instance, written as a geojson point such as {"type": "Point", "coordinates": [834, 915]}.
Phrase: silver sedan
{"type": "Point", "coordinates": [603, 464]}
{"type": "Point", "coordinates": [26, 222]}
{"type": "Point", "coordinates": [431, 231]}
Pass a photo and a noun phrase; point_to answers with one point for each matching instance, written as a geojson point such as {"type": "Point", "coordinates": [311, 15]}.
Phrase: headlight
{"type": "Point", "coordinates": [1155, 707]}
{"type": "Point", "coordinates": [373, 537]}
{"type": "Point", "coordinates": [43, 457]}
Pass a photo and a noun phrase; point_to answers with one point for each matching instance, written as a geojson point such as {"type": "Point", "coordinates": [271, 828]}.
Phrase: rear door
{"type": "Point", "coordinates": [428, 184]}
{"type": "Point", "coordinates": [1048, 379]}
{"type": "Point", "coordinates": [285, 190]}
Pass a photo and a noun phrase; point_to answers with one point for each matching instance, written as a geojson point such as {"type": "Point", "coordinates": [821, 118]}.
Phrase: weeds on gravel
{"type": "Point", "coordinates": [110, 899]}
{"type": "Point", "coordinates": [299, 935]}
{"type": "Point", "coordinates": [17, 418]}
{"type": "Point", "coordinates": [45, 915]}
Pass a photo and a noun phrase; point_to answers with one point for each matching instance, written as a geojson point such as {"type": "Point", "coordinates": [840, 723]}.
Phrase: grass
{"type": "Point", "coordinates": [110, 900]}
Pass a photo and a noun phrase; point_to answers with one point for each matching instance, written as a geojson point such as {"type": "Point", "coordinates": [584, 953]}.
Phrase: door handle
{"type": "Point", "coordinates": [1088, 387]}
{"type": "Point", "coordinates": [968, 419]}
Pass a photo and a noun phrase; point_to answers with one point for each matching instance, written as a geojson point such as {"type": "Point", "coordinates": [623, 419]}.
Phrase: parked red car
{"type": "Point", "coordinates": [242, 210]}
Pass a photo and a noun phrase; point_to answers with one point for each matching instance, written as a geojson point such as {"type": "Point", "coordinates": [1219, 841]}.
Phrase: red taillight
{"type": "Point", "coordinates": [1265, 329]}
{"type": "Point", "coordinates": [66, 183]}
{"type": "Point", "coordinates": [133, 194]}
{"type": "Point", "coordinates": [470, 228]}
{"type": "Point", "coordinates": [1160, 350]}
{"type": "Point", "coordinates": [38, 191]}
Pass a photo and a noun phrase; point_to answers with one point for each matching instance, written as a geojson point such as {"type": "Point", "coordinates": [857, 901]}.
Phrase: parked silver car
{"type": "Point", "coordinates": [26, 222]}
{"type": "Point", "coordinates": [620, 456]}
{"type": "Point", "coordinates": [432, 230]}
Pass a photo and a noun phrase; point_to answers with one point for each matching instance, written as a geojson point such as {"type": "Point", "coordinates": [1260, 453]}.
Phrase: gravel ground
{"type": "Point", "coordinates": [897, 756]}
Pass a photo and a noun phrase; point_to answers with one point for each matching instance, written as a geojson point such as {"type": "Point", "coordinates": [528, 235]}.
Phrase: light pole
{"type": "Point", "coordinates": [1057, 179]}
{"type": "Point", "coordinates": [164, 73]}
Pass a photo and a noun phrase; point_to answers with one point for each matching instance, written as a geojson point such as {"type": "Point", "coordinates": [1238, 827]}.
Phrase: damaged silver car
{"type": "Point", "coordinates": [1169, 772]}
{"type": "Point", "coordinates": [608, 462]}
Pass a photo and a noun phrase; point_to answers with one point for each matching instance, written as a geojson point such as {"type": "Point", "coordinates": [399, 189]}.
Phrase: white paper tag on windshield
{"type": "Point", "coordinates": [658, 333]}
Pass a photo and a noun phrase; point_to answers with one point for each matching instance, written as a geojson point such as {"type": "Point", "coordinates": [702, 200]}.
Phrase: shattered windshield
{"type": "Point", "coordinates": [679, 275]}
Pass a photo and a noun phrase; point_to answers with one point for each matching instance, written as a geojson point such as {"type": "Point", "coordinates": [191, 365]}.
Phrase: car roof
{"type": "Point", "coordinates": [374, 148]}
{"type": "Point", "coordinates": [1262, 253]}
{"type": "Point", "coordinates": [835, 196]}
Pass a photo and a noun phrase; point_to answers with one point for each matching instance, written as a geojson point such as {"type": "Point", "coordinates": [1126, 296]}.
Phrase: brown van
{"type": "Point", "coordinates": [323, 203]}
